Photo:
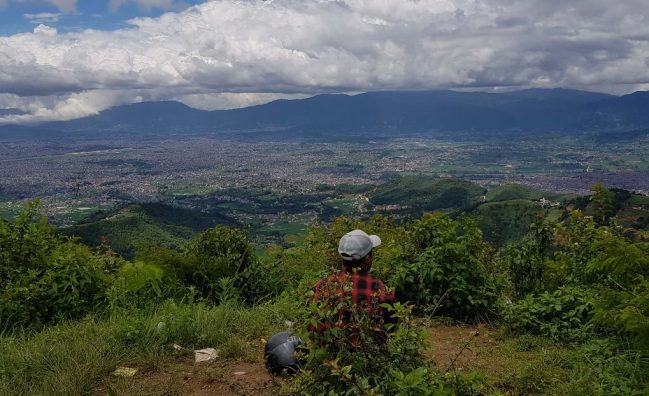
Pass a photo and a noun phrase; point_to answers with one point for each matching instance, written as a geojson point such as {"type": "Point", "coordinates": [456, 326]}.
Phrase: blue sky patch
{"type": "Point", "coordinates": [20, 16]}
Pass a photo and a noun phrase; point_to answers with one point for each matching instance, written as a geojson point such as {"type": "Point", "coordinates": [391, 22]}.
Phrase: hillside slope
{"type": "Point", "coordinates": [427, 193]}
{"type": "Point", "coordinates": [142, 224]}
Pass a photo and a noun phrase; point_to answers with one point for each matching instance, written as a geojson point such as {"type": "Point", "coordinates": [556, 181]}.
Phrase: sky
{"type": "Point", "coordinates": [65, 59]}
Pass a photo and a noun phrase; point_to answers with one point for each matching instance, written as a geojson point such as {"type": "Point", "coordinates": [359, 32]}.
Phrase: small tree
{"type": "Point", "coordinates": [601, 202]}
{"type": "Point", "coordinates": [218, 253]}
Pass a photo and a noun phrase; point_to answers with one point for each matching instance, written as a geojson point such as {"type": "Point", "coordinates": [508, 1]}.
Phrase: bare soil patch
{"type": "Point", "coordinates": [458, 347]}
{"type": "Point", "coordinates": [184, 377]}
{"type": "Point", "coordinates": [477, 348]}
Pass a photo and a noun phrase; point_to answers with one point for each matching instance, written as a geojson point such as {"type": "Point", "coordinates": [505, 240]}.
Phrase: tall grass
{"type": "Point", "coordinates": [69, 358]}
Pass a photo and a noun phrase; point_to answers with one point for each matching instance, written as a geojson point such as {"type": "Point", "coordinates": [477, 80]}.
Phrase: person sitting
{"type": "Point", "coordinates": [352, 291]}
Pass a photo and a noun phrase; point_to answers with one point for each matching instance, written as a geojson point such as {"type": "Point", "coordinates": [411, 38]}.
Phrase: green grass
{"type": "Point", "coordinates": [191, 190]}
{"type": "Point", "coordinates": [69, 359]}
{"type": "Point", "coordinates": [534, 365]}
{"type": "Point", "coordinates": [345, 206]}
{"type": "Point", "coordinates": [75, 214]}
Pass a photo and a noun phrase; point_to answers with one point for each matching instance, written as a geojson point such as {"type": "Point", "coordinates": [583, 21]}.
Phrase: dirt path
{"type": "Point", "coordinates": [184, 377]}
{"type": "Point", "coordinates": [458, 347]}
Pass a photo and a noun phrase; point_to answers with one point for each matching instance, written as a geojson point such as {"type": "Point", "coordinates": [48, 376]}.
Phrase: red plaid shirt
{"type": "Point", "coordinates": [365, 290]}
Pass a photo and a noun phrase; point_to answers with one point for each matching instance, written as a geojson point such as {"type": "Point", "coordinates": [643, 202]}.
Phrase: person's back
{"type": "Point", "coordinates": [352, 294]}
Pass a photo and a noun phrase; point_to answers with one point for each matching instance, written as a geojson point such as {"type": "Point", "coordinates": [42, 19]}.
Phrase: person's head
{"type": "Point", "coordinates": [355, 249]}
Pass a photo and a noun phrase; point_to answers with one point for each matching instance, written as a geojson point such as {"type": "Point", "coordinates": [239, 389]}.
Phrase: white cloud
{"type": "Point", "coordinates": [114, 5]}
{"type": "Point", "coordinates": [64, 5]}
{"type": "Point", "coordinates": [64, 107]}
{"type": "Point", "coordinates": [227, 52]}
{"type": "Point", "coordinates": [45, 30]}
{"type": "Point", "coordinates": [43, 17]}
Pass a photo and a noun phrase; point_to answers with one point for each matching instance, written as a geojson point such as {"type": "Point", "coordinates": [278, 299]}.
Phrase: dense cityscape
{"type": "Point", "coordinates": [76, 177]}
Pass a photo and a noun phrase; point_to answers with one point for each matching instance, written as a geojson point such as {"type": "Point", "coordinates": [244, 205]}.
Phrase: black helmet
{"type": "Point", "coordinates": [279, 353]}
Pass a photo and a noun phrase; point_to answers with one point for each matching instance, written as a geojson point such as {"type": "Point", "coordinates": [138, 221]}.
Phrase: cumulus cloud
{"type": "Point", "coordinates": [225, 52]}
{"type": "Point", "coordinates": [69, 107]}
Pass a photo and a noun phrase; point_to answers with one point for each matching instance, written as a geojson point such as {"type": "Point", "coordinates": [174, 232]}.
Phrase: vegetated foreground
{"type": "Point", "coordinates": [503, 360]}
{"type": "Point", "coordinates": [561, 310]}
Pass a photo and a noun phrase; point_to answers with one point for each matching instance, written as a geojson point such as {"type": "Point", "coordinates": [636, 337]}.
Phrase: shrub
{"type": "Point", "coordinates": [525, 260]}
{"type": "Point", "coordinates": [220, 252]}
{"type": "Point", "coordinates": [563, 315]}
{"type": "Point", "coordinates": [46, 278]}
{"type": "Point", "coordinates": [627, 312]}
{"type": "Point", "coordinates": [135, 284]}
{"type": "Point", "coordinates": [446, 266]}
{"type": "Point", "coordinates": [575, 247]}
{"type": "Point", "coordinates": [615, 269]}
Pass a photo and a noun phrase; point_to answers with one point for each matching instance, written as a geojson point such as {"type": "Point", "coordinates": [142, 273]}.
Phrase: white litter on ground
{"type": "Point", "coordinates": [124, 372]}
{"type": "Point", "coordinates": [205, 355]}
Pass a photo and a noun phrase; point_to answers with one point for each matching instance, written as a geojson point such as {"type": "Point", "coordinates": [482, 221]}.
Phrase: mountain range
{"type": "Point", "coordinates": [391, 112]}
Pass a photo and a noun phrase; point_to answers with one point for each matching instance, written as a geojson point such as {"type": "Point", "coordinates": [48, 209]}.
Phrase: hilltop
{"type": "Point", "coordinates": [421, 193]}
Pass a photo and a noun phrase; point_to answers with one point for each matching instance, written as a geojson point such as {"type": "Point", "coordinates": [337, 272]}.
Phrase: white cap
{"type": "Point", "coordinates": [357, 244]}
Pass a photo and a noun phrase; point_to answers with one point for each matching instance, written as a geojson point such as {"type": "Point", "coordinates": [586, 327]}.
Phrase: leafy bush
{"type": "Point", "coordinates": [615, 269]}
{"type": "Point", "coordinates": [626, 311]}
{"type": "Point", "coordinates": [446, 266]}
{"type": "Point", "coordinates": [563, 315]}
{"type": "Point", "coordinates": [365, 355]}
{"type": "Point", "coordinates": [525, 260]}
{"type": "Point", "coordinates": [576, 244]}
{"type": "Point", "coordinates": [217, 263]}
{"type": "Point", "coordinates": [220, 252]}
{"type": "Point", "coordinates": [44, 277]}
{"type": "Point", "coordinates": [135, 284]}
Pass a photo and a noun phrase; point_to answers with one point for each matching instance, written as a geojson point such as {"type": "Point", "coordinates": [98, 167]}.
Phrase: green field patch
{"type": "Point", "coordinates": [353, 188]}
{"type": "Point", "coordinates": [283, 228]}
{"type": "Point", "coordinates": [519, 191]}
{"type": "Point", "coordinates": [640, 200]}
